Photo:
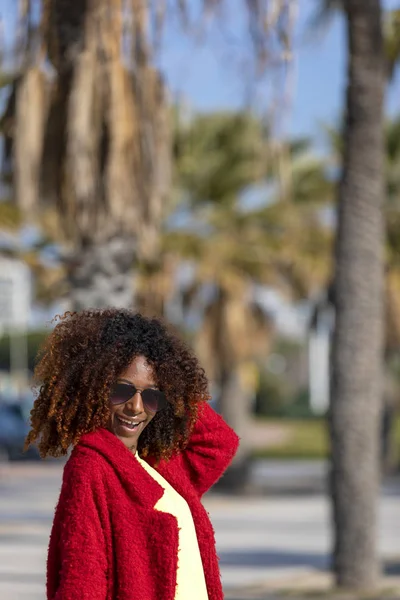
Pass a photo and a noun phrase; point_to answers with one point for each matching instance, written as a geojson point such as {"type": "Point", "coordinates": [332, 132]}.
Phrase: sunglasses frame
{"type": "Point", "coordinates": [135, 390]}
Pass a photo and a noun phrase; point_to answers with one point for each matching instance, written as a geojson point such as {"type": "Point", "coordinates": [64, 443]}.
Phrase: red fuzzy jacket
{"type": "Point", "coordinates": [108, 542]}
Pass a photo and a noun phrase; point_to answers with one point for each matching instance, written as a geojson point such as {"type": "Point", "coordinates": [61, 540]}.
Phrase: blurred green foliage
{"type": "Point", "coordinates": [305, 439]}
{"type": "Point", "coordinates": [308, 439]}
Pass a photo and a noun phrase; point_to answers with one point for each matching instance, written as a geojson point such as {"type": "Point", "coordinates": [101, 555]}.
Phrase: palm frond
{"type": "Point", "coordinates": [323, 14]}
{"type": "Point", "coordinates": [10, 216]}
{"type": "Point", "coordinates": [90, 133]}
{"type": "Point", "coordinates": [392, 40]}
{"type": "Point", "coordinates": [220, 155]}
{"type": "Point", "coordinates": [30, 119]}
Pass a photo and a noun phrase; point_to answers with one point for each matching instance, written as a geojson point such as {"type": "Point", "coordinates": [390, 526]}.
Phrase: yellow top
{"type": "Point", "coordinates": [190, 582]}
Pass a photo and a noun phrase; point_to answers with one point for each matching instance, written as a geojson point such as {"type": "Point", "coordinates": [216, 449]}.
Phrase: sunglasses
{"type": "Point", "coordinates": [153, 400]}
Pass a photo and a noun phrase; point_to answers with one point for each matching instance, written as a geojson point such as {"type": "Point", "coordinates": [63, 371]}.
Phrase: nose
{"type": "Point", "coordinates": [135, 404]}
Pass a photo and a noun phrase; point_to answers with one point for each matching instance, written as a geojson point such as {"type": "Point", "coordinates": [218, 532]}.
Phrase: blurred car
{"type": "Point", "coordinates": [14, 426]}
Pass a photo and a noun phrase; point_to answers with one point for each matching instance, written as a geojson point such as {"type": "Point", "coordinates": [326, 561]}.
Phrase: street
{"type": "Point", "coordinates": [263, 542]}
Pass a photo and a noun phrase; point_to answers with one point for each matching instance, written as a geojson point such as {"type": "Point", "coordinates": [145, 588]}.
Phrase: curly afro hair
{"type": "Point", "coordinates": [82, 358]}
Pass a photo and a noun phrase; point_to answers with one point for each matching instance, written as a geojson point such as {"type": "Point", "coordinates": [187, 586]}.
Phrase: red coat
{"type": "Point", "coordinates": [108, 542]}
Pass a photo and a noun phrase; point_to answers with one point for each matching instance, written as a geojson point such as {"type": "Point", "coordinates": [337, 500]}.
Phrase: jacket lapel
{"type": "Point", "coordinates": [140, 486]}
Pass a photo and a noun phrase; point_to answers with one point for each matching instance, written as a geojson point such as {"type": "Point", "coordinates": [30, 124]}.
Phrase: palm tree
{"type": "Point", "coordinates": [231, 248]}
{"type": "Point", "coordinates": [218, 157]}
{"type": "Point", "coordinates": [86, 126]}
{"type": "Point", "coordinates": [358, 293]}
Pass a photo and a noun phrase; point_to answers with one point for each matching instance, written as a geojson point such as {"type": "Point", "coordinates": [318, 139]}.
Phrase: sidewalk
{"type": "Point", "coordinates": [271, 546]}
{"type": "Point", "coordinates": [318, 586]}
{"type": "Point", "coordinates": [299, 477]}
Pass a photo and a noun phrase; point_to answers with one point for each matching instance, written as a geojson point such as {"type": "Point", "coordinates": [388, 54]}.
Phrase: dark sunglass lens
{"type": "Point", "coordinates": [154, 400]}
{"type": "Point", "coordinates": [121, 392]}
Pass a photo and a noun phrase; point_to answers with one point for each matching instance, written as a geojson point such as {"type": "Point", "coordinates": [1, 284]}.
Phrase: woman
{"type": "Point", "coordinates": [131, 399]}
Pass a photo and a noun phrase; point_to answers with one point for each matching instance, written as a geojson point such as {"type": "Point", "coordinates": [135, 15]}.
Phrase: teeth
{"type": "Point", "coordinates": [129, 423]}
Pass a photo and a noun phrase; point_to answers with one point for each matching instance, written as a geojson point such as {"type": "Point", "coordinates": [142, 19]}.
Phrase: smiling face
{"type": "Point", "coordinates": [128, 420]}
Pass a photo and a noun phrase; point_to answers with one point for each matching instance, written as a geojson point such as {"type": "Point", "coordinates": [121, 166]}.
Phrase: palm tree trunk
{"type": "Point", "coordinates": [234, 405]}
{"type": "Point", "coordinates": [233, 401]}
{"type": "Point", "coordinates": [102, 275]}
{"type": "Point", "coordinates": [357, 342]}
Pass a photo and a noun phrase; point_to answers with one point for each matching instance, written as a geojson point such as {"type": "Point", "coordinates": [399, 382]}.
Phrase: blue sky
{"type": "Point", "coordinates": [214, 75]}
{"type": "Point", "coordinates": [212, 80]}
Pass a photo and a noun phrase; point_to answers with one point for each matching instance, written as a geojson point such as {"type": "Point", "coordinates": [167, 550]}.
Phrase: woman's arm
{"type": "Point", "coordinates": [77, 561]}
{"type": "Point", "coordinates": [211, 448]}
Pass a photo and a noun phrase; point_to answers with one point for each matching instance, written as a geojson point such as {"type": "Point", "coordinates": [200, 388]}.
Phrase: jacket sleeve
{"type": "Point", "coordinates": [211, 448]}
{"type": "Point", "coordinates": [77, 561]}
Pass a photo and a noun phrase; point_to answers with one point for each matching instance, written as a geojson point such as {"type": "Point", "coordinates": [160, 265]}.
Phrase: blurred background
{"type": "Point", "coordinates": [183, 158]}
